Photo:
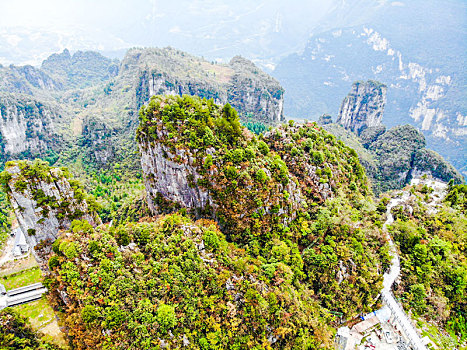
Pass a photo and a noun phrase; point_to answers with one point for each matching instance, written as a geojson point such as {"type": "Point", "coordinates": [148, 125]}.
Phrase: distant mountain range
{"type": "Point", "coordinates": [421, 61]}
{"type": "Point", "coordinates": [91, 102]}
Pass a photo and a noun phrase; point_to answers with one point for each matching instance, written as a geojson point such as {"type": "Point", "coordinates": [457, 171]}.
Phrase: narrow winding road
{"type": "Point", "coordinates": [390, 277]}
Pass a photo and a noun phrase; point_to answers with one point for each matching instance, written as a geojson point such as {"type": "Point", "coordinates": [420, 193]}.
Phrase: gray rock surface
{"type": "Point", "coordinates": [241, 83]}
{"type": "Point", "coordinates": [171, 179]}
{"type": "Point", "coordinates": [26, 125]}
{"type": "Point", "coordinates": [363, 107]}
{"type": "Point", "coordinates": [38, 225]}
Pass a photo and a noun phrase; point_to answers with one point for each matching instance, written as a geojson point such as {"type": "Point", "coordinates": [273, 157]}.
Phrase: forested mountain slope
{"type": "Point", "coordinates": [287, 233]}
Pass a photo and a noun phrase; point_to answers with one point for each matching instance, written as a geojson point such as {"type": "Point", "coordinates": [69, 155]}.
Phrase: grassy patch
{"type": "Point", "coordinates": [42, 319]}
{"type": "Point", "coordinates": [38, 312]}
{"type": "Point", "coordinates": [22, 278]}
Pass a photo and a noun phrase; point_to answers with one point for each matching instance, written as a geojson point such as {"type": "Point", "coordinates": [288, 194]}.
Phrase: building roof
{"type": "Point", "coordinates": [344, 331]}
{"type": "Point", "coordinates": [2, 289]}
{"type": "Point", "coordinates": [363, 326]}
{"type": "Point", "coordinates": [20, 239]}
{"type": "Point", "coordinates": [17, 250]}
{"type": "Point", "coordinates": [383, 314]}
{"type": "Point", "coordinates": [20, 245]}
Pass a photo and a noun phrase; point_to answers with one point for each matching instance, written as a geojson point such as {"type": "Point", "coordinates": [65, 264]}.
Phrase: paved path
{"type": "Point", "coordinates": [390, 277]}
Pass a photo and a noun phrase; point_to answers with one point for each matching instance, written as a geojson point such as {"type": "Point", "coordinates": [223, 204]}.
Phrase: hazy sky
{"type": "Point", "coordinates": [207, 27]}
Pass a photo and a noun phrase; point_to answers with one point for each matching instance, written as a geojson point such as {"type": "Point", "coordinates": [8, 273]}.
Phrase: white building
{"type": "Point", "coordinates": [20, 247]}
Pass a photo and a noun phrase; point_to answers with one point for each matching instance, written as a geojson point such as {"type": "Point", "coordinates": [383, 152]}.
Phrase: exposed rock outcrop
{"type": "Point", "coordinates": [27, 127]}
{"type": "Point", "coordinates": [195, 155]}
{"type": "Point", "coordinates": [45, 200]}
{"type": "Point", "coordinates": [251, 91]}
{"type": "Point", "coordinates": [96, 134]}
{"type": "Point", "coordinates": [393, 157]}
{"type": "Point", "coordinates": [173, 181]}
{"type": "Point", "coordinates": [363, 107]}
{"type": "Point", "coordinates": [37, 78]}
{"type": "Point", "coordinates": [172, 72]}
{"type": "Point", "coordinates": [182, 170]}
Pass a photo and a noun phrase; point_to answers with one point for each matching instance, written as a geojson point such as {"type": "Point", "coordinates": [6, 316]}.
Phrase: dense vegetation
{"type": "Point", "coordinates": [80, 69]}
{"type": "Point", "coordinates": [319, 242]}
{"type": "Point", "coordinates": [290, 239]}
{"type": "Point", "coordinates": [176, 282]}
{"type": "Point", "coordinates": [16, 333]}
{"type": "Point", "coordinates": [391, 158]}
{"type": "Point", "coordinates": [433, 244]}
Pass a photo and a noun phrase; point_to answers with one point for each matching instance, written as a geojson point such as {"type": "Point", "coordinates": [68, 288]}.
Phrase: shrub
{"type": "Point", "coordinates": [89, 314]}
{"type": "Point", "coordinates": [211, 240]}
{"type": "Point", "coordinates": [54, 261]}
{"type": "Point", "coordinates": [208, 162]}
{"type": "Point", "coordinates": [263, 147]}
{"type": "Point", "coordinates": [261, 176]}
{"type": "Point", "coordinates": [165, 316]}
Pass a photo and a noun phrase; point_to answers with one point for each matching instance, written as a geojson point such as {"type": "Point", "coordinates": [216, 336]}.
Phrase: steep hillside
{"type": "Point", "coordinates": [287, 237]}
{"type": "Point", "coordinates": [173, 72]}
{"type": "Point", "coordinates": [391, 157]}
{"type": "Point", "coordinates": [285, 187]}
{"type": "Point", "coordinates": [147, 72]}
{"type": "Point", "coordinates": [26, 80]}
{"type": "Point", "coordinates": [82, 69]}
{"type": "Point", "coordinates": [363, 107]}
{"type": "Point", "coordinates": [91, 102]}
{"type": "Point", "coordinates": [430, 231]}
{"type": "Point", "coordinates": [30, 128]}
{"type": "Point", "coordinates": [45, 200]}
{"type": "Point", "coordinates": [175, 283]}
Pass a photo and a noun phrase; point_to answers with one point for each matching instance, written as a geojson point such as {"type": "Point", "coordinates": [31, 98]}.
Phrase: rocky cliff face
{"type": "Point", "coordinates": [171, 72]}
{"type": "Point", "coordinates": [95, 139]}
{"type": "Point", "coordinates": [210, 167]}
{"type": "Point", "coordinates": [426, 95]}
{"type": "Point", "coordinates": [45, 200]}
{"type": "Point", "coordinates": [251, 91]}
{"type": "Point", "coordinates": [163, 83]}
{"type": "Point", "coordinates": [195, 155]}
{"type": "Point", "coordinates": [170, 180]}
{"type": "Point", "coordinates": [393, 157]}
{"type": "Point", "coordinates": [27, 127]}
{"type": "Point", "coordinates": [37, 78]}
{"type": "Point", "coordinates": [363, 107]}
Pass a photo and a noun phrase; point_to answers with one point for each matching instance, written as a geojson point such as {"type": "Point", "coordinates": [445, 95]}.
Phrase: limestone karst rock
{"type": "Point", "coordinates": [45, 200]}
{"type": "Point", "coordinates": [363, 107]}
{"type": "Point", "coordinates": [27, 127]}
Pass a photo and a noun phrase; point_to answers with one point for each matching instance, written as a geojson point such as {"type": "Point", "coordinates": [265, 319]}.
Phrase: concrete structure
{"type": "Point", "coordinates": [21, 295]}
{"type": "Point", "coordinates": [347, 339]}
{"type": "Point", "coordinates": [20, 246]}
{"type": "Point", "coordinates": [366, 325]}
